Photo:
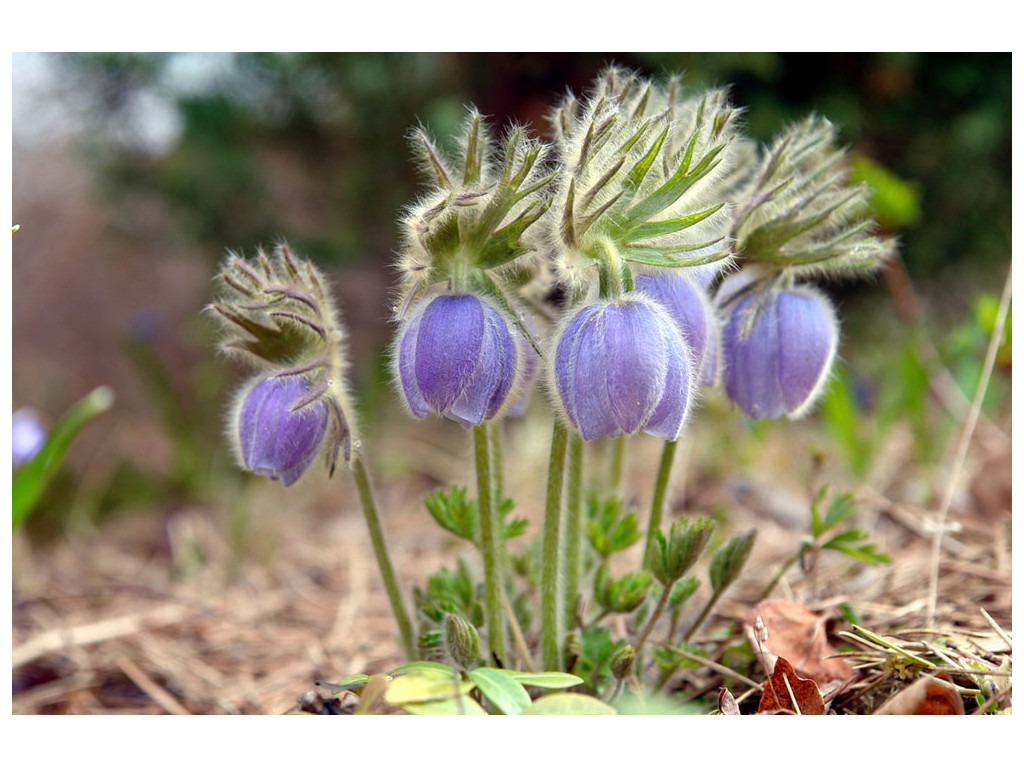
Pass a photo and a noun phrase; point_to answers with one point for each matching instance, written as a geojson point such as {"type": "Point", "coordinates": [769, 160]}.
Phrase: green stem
{"type": "Point", "coordinates": [703, 615]}
{"type": "Point", "coordinates": [551, 631]}
{"type": "Point", "coordinates": [668, 453]}
{"type": "Point", "coordinates": [572, 546]}
{"type": "Point", "coordinates": [655, 615]}
{"type": "Point", "coordinates": [489, 545]}
{"type": "Point", "coordinates": [387, 572]}
{"type": "Point", "coordinates": [618, 461]}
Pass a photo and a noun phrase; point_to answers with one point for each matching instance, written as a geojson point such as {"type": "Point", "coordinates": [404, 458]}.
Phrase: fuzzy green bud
{"type": "Point", "coordinates": [676, 553]}
{"type": "Point", "coordinates": [622, 595]}
{"type": "Point", "coordinates": [462, 641]}
{"type": "Point", "coordinates": [728, 562]}
{"type": "Point", "coordinates": [623, 662]}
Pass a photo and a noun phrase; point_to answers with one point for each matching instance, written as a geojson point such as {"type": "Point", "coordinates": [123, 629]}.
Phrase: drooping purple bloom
{"type": "Point", "coordinates": [274, 439]}
{"type": "Point", "coordinates": [778, 348]}
{"type": "Point", "coordinates": [621, 367]}
{"type": "Point", "coordinates": [28, 436]}
{"type": "Point", "coordinates": [690, 306]}
{"type": "Point", "coordinates": [458, 357]}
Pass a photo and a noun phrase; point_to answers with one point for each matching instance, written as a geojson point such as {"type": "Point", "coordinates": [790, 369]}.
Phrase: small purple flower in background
{"type": "Point", "coordinates": [458, 357]}
{"type": "Point", "coordinates": [28, 438]}
{"type": "Point", "coordinates": [274, 438]}
{"type": "Point", "coordinates": [621, 367]}
{"type": "Point", "coordinates": [690, 306]}
{"type": "Point", "coordinates": [778, 348]}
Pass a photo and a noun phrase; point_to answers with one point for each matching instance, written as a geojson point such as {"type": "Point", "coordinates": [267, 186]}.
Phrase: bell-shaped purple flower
{"type": "Point", "coordinates": [778, 348]}
{"type": "Point", "coordinates": [457, 356]}
{"type": "Point", "coordinates": [275, 438]}
{"type": "Point", "coordinates": [28, 436]}
{"type": "Point", "coordinates": [621, 367]}
{"type": "Point", "coordinates": [688, 303]}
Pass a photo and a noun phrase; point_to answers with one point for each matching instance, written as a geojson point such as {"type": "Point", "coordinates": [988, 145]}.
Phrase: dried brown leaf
{"type": "Point", "coordinates": [727, 703]}
{"type": "Point", "coordinates": [927, 696]}
{"type": "Point", "coordinates": [785, 692]}
{"type": "Point", "coordinates": [797, 633]}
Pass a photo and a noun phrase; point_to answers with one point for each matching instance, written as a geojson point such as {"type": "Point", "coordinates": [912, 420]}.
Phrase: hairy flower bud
{"type": "Point", "coordinates": [621, 367]}
{"type": "Point", "coordinates": [623, 662]}
{"type": "Point", "coordinates": [779, 346]}
{"type": "Point", "coordinates": [279, 431]}
{"type": "Point", "coordinates": [28, 436]}
{"type": "Point", "coordinates": [462, 641]}
{"type": "Point", "coordinates": [456, 356]}
{"type": "Point", "coordinates": [690, 306]}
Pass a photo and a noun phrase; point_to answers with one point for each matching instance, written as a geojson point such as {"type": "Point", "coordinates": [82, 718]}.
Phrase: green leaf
{"type": "Point", "coordinates": [462, 705]}
{"type": "Point", "coordinates": [506, 693]}
{"type": "Point", "coordinates": [651, 229]}
{"type": "Point", "coordinates": [841, 508]}
{"type": "Point", "coordinates": [546, 679]}
{"type": "Point", "coordinates": [423, 685]}
{"type": "Point", "coordinates": [30, 480]}
{"type": "Point", "coordinates": [730, 559]}
{"type": "Point", "coordinates": [419, 666]}
{"type": "Point", "coordinates": [569, 704]}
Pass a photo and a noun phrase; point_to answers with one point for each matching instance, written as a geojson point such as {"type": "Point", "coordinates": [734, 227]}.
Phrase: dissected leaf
{"type": "Point", "coordinates": [785, 692]}
{"type": "Point", "coordinates": [797, 633]}
{"type": "Point", "coordinates": [927, 696]}
{"type": "Point", "coordinates": [569, 704]}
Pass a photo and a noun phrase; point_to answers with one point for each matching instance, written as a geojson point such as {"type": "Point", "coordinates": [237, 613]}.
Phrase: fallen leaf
{"type": "Point", "coordinates": [797, 633]}
{"type": "Point", "coordinates": [927, 696]}
{"type": "Point", "coordinates": [785, 692]}
{"type": "Point", "coordinates": [727, 703]}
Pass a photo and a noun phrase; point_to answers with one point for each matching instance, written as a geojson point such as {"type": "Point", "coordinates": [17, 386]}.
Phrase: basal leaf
{"type": "Point", "coordinates": [506, 693]}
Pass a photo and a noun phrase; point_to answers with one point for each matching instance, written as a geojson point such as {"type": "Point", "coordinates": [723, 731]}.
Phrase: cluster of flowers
{"type": "Point", "coordinates": [679, 250]}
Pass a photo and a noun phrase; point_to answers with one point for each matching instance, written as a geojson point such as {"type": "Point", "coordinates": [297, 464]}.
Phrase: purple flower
{"type": "Point", "coordinates": [275, 439]}
{"type": "Point", "coordinates": [456, 356]}
{"type": "Point", "coordinates": [690, 306]}
{"type": "Point", "coordinates": [621, 367]}
{"type": "Point", "coordinates": [779, 347]}
{"type": "Point", "coordinates": [28, 438]}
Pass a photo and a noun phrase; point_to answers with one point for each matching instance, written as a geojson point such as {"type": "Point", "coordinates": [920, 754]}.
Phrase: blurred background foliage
{"type": "Point", "coordinates": [183, 156]}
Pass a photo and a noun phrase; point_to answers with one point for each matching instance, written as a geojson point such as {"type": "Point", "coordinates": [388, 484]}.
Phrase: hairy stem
{"type": "Point", "coordinates": [380, 549]}
{"type": "Point", "coordinates": [660, 492]}
{"type": "Point", "coordinates": [572, 546]}
{"type": "Point", "coordinates": [551, 630]}
{"type": "Point", "coordinates": [489, 545]}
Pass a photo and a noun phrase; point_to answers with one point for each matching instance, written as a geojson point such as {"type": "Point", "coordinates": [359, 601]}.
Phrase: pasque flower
{"type": "Point", "coordinates": [690, 306]}
{"type": "Point", "coordinates": [279, 432]}
{"type": "Point", "coordinates": [623, 366]}
{"type": "Point", "coordinates": [456, 356]}
{"type": "Point", "coordinates": [779, 346]}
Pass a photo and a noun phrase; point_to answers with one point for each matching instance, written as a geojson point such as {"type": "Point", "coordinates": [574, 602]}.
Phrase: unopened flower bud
{"type": "Point", "coordinates": [462, 641]}
{"type": "Point", "coordinates": [779, 347]}
{"type": "Point", "coordinates": [623, 662]}
{"type": "Point", "coordinates": [674, 554]}
{"type": "Point", "coordinates": [279, 432]}
{"type": "Point", "coordinates": [28, 436]}
{"type": "Point", "coordinates": [621, 367]}
{"type": "Point", "coordinates": [456, 356]}
{"type": "Point", "coordinates": [728, 562]}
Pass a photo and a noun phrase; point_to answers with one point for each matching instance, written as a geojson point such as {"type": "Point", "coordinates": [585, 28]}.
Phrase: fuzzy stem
{"type": "Point", "coordinates": [660, 492]}
{"type": "Point", "coordinates": [655, 615]}
{"type": "Point", "coordinates": [617, 463]}
{"type": "Point", "coordinates": [572, 546]}
{"type": "Point", "coordinates": [380, 549]}
{"type": "Point", "coordinates": [703, 615]}
{"type": "Point", "coordinates": [551, 631]}
{"type": "Point", "coordinates": [489, 545]}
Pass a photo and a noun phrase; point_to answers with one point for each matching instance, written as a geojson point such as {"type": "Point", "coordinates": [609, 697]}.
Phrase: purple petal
{"type": "Point", "coordinates": [407, 370]}
{"type": "Point", "coordinates": [275, 441]}
{"type": "Point", "coordinates": [690, 307]}
{"type": "Point", "coordinates": [807, 332]}
{"type": "Point", "coordinates": [448, 346]}
{"type": "Point", "coordinates": [634, 355]}
{"type": "Point", "coordinates": [494, 376]}
{"type": "Point", "coordinates": [580, 375]}
{"type": "Point", "coordinates": [751, 346]}
{"type": "Point", "coordinates": [669, 416]}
